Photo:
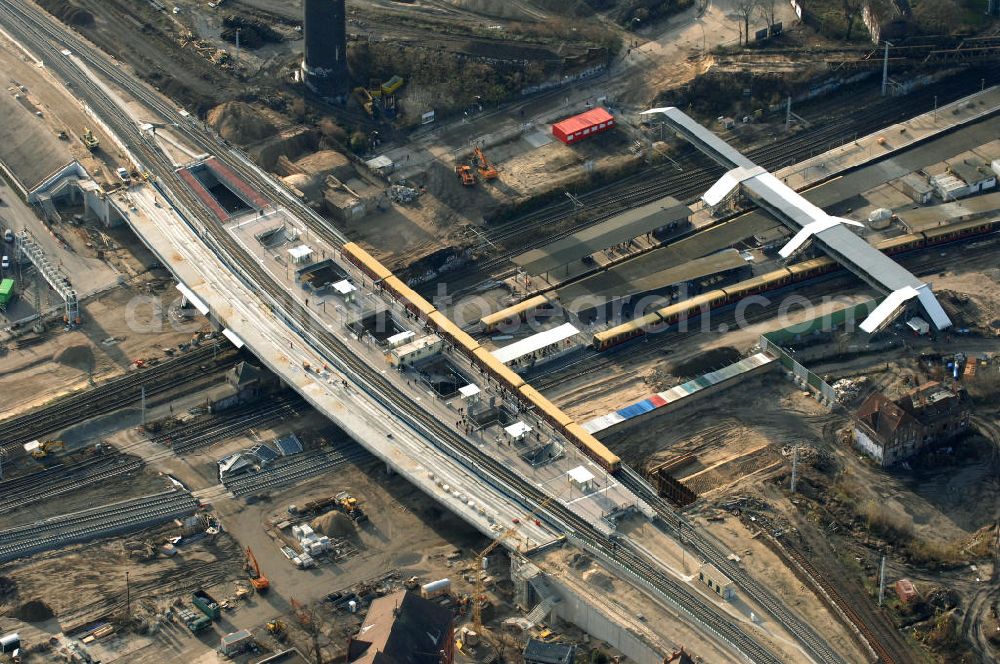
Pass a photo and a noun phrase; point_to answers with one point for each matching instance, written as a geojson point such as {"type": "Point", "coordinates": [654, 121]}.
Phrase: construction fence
{"type": "Point", "coordinates": [830, 323]}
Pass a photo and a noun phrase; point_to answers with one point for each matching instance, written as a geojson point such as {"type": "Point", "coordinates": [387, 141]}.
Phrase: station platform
{"type": "Point", "coordinates": [249, 320]}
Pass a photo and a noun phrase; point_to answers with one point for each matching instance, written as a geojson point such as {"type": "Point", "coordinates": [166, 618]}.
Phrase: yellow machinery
{"type": "Point", "coordinates": [277, 629]}
{"type": "Point", "coordinates": [477, 601]}
{"type": "Point", "coordinates": [89, 139]}
{"type": "Point", "coordinates": [487, 170]}
{"type": "Point", "coordinates": [40, 450]}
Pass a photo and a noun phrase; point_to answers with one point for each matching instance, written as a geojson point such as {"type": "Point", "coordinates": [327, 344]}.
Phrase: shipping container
{"type": "Point", "coordinates": [573, 130]}
{"type": "Point", "coordinates": [6, 292]}
{"type": "Point", "coordinates": [207, 604]}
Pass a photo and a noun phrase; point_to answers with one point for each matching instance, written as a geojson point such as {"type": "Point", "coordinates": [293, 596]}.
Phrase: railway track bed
{"type": "Point", "coordinates": [59, 480]}
{"type": "Point", "coordinates": [295, 468]}
{"type": "Point", "coordinates": [201, 433]}
{"type": "Point", "coordinates": [116, 518]}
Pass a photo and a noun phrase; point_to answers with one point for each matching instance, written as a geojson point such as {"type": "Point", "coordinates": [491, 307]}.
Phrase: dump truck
{"type": "Point", "coordinates": [464, 171]}
{"type": "Point", "coordinates": [194, 621]}
{"type": "Point", "coordinates": [208, 605]}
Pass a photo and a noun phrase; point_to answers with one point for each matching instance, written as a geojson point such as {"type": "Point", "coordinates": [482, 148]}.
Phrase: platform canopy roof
{"type": "Point", "coordinates": [793, 210]}
{"type": "Point", "coordinates": [619, 228]}
{"type": "Point", "coordinates": [625, 281]}
{"type": "Point", "coordinates": [517, 430]}
{"type": "Point", "coordinates": [535, 342]}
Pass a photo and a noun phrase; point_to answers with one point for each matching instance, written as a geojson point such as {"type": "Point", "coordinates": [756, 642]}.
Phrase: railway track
{"type": "Point", "coordinates": [40, 32]}
{"type": "Point", "coordinates": [523, 233]}
{"type": "Point", "coordinates": [125, 516]}
{"type": "Point", "coordinates": [295, 468]}
{"type": "Point", "coordinates": [27, 489]}
{"type": "Point", "coordinates": [200, 433]}
{"type": "Point", "coordinates": [113, 395]}
{"type": "Point", "coordinates": [923, 262]}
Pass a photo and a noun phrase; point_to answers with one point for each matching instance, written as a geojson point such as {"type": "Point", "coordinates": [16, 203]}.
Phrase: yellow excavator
{"type": "Point", "coordinates": [40, 450]}
{"type": "Point", "coordinates": [89, 139]}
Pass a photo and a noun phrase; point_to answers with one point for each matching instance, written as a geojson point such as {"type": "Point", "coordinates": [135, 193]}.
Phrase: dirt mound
{"type": "Point", "coordinates": [334, 524]}
{"type": "Point", "coordinates": [709, 361]}
{"type": "Point", "coordinates": [69, 12]}
{"type": "Point", "coordinates": [34, 611]}
{"type": "Point", "coordinates": [8, 587]}
{"type": "Point", "coordinates": [79, 357]}
{"type": "Point", "coordinates": [239, 123]}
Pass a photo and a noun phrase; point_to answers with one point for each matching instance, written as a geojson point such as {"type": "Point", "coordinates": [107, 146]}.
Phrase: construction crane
{"type": "Point", "coordinates": [40, 450]}
{"type": "Point", "coordinates": [257, 578]}
{"type": "Point", "coordinates": [89, 139]}
{"type": "Point", "coordinates": [465, 172]}
{"type": "Point", "coordinates": [477, 601]}
{"type": "Point", "coordinates": [486, 169]}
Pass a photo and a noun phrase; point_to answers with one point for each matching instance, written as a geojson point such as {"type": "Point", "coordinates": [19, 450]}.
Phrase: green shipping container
{"type": "Point", "coordinates": [6, 291]}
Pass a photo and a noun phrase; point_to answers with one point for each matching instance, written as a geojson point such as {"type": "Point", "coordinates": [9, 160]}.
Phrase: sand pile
{"type": "Point", "coordinates": [69, 12]}
{"type": "Point", "coordinates": [239, 123]}
{"type": "Point", "coordinates": [334, 525]}
{"type": "Point", "coordinates": [8, 587]}
{"type": "Point", "coordinates": [79, 357]}
{"type": "Point", "coordinates": [34, 611]}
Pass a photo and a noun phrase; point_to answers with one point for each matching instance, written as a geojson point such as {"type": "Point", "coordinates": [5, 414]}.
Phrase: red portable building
{"type": "Point", "coordinates": [572, 130]}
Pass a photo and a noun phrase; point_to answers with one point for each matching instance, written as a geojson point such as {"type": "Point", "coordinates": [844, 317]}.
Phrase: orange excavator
{"type": "Point", "coordinates": [486, 169]}
{"type": "Point", "coordinates": [465, 172]}
{"type": "Point", "coordinates": [257, 578]}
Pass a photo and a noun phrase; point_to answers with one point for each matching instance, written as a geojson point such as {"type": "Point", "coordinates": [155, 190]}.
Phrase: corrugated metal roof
{"type": "Point", "coordinates": [535, 342]}
{"type": "Point", "coordinates": [630, 279]}
{"type": "Point", "coordinates": [617, 229]}
{"type": "Point", "coordinates": [583, 120]}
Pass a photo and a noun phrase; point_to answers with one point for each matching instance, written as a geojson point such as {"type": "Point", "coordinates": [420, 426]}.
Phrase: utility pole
{"type": "Point", "coordinates": [881, 582]}
{"type": "Point", "coordinates": [788, 113]}
{"type": "Point", "coordinates": [128, 598]}
{"type": "Point", "coordinates": [795, 466]}
{"type": "Point", "coordinates": [885, 67]}
{"type": "Point", "coordinates": [142, 406]}
{"type": "Point", "coordinates": [237, 46]}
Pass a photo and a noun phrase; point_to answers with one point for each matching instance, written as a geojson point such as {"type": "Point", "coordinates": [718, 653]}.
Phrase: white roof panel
{"type": "Point", "coordinates": [344, 287]}
{"type": "Point", "coordinates": [888, 309]}
{"type": "Point", "coordinates": [602, 422]}
{"type": "Point", "coordinates": [535, 342]}
{"type": "Point", "coordinates": [229, 334]}
{"type": "Point", "coordinates": [517, 429]}
{"type": "Point", "coordinates": [301, 251]}
{"type": "Point", "coordinates": [728, 182]}
{"type": "Point", "coordinates": [469, 390]}
{"type": "Point", "coordinates": [580, 475]}
{"type": "Point", "coordinates": [933, 307]}
{"type": "Point", "coordinates": [193, 299]}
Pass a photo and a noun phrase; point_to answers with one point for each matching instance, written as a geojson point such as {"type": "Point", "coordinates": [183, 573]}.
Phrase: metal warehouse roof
{"type": "Point", "coordinates": [535, 342]}
{"type": "Point", "coordinates": [583, 120]}
{"type": "Point", "coordinates": [633, 279]}
{"type": "Point", "coordinates": [797, 213]}
{"type": "Point", "coordinates": [677, 393]}
{"type": "Point", "coordinates": [617, 229]}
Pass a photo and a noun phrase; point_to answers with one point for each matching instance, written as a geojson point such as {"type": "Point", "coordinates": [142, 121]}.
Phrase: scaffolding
{"type": "Point", "coordinates": [27, 247]}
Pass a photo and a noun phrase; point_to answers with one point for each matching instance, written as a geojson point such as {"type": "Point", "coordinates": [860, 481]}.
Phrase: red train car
{"type": "Point", "coordinates": [573, 130]}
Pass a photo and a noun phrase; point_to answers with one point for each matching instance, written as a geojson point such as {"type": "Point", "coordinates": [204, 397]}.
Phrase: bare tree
{"type": "Point", "coordinates": [768, 10]}
{"type": "Point", "coordinates": [852, 8]}
{"type": "Point", "coordinates": [745, 9]}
